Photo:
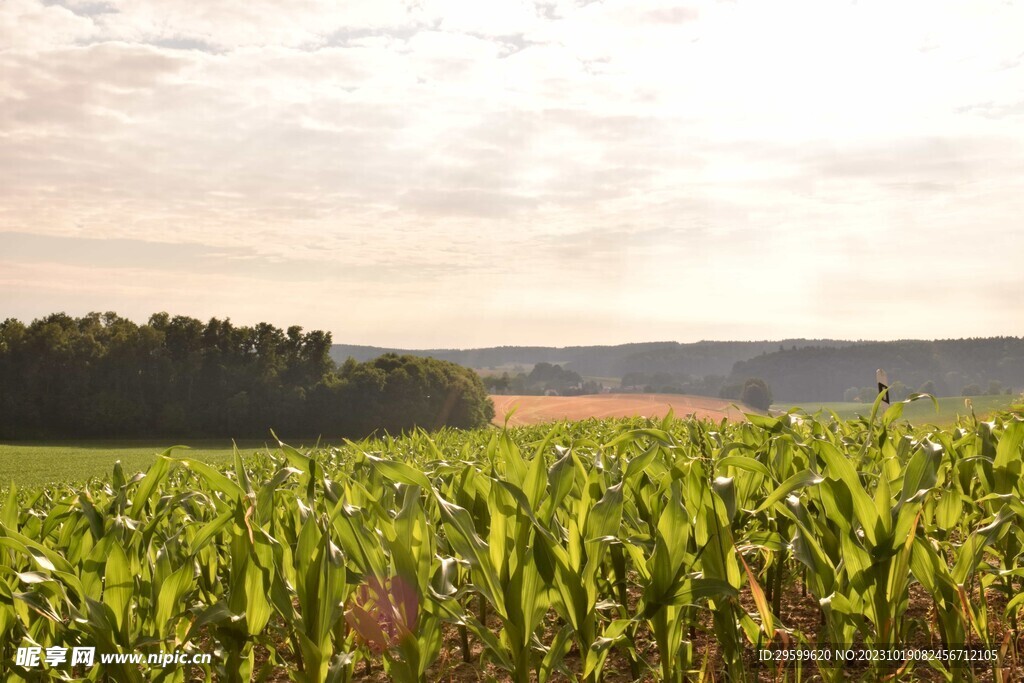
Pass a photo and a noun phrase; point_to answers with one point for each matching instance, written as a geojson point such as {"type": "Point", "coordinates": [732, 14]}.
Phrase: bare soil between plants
{"type": "Point", "coordinates": [799, 614]}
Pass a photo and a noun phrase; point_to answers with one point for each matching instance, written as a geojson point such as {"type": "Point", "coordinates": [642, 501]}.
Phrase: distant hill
{"type": "Point", "coordinates": [795, 369]}
{"type": "Point", "coordinates": [697, 359]}
{"type": "Point", "coordinates": [950, 365]}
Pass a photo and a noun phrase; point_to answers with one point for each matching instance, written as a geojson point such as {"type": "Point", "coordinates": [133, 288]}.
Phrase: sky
{"type": "Point", "coordinates": [462, 174]}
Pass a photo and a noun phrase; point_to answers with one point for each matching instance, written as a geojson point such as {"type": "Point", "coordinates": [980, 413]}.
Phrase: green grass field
{"type": "Point", "coordinates": [38, 463]}
{"type": "Point", "coordinates": [921, 411]}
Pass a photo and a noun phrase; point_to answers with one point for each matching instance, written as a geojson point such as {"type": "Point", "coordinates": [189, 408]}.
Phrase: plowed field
{"type": "Point", "coordinates": [536, 409]}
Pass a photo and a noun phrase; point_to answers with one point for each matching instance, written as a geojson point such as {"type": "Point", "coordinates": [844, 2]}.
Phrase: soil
{"type": "Point", "coordinates": [799, 615]}
{"type": "Point", "coordinates": [537, 409]}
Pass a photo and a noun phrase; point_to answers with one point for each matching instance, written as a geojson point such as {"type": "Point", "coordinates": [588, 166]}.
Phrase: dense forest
{"type": "Point", "coordinates": [102, 375]}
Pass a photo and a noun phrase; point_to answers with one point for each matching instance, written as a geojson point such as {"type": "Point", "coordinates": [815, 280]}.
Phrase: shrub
{"type": "Point", "coordinates": [756, 393]}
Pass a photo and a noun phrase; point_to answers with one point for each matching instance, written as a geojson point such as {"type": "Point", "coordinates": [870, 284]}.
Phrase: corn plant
{"type": "Point", "coordinates": [536, 553]}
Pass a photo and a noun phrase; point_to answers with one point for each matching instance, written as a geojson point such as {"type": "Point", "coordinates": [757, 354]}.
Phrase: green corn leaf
{"type": "Point", "coordinates": [91, 514]}
{"type": "Point", "coordinates": [555, 655]}
{"type": "Point", "coordinates": [725, 488]}
{"type": "Point", "coordinates": [691, 591]}
{"type": "Point", "coordinates": [169, 600]}
{"type": "Point", "coordinates": [118, 586]}
{"type": "Point", "coordinates": [1008, 464]}
{"type": "Point", "coordinates": [895, 411]}
{"type": "Point", "coordinates": [258, 608]}
{"type": "Point", "coordinates": [9, 518]}
{"type": "Point", "coordinates": [463, 537]}
{"type": "Point", "coordinates": [400, 472]}
{"type": "Point", "coordinates": [39, 604]}
{"type": "Point", "coordinates": [240, 474]}
{"type": "Point", "coordinates": [922, 471]}
{"type": "Point", "coordinates": [793, 483]}
{"type": "Point", "coordinates": [638, 464]}
{"type": "Point", "coordinates": [745, 463]}
{"type": "Point", "coordinates": [156, 474]}
{"type": "Point", "coordinates": [948, 511]}
{"type": "Point", "coordinates": [971, 552]}
{"type": "Point", "coordinates": [214, 479]}
{"type": "Point", "coordinates": [840, 468]}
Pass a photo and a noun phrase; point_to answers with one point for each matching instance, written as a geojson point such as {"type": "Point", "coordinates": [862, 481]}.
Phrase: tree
{"type": "Point", "coordinates": [867, 395]}
{"type": "Point", "coordinates": [546, 376]}
{"type": "Point", "coordinates": [971, 390]}
{"type": "Point", "coordinates": [756, 393]}
{"type": "Point", "coordinates": [496, 384]}
{"type": "Point", "coordinates": [395, 393]}
{"type": "Point", "coordinates": [734, 391]}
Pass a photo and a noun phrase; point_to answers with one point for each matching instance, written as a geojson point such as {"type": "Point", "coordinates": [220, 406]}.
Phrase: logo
{"type": "Point", "coordinates": [32, 657]}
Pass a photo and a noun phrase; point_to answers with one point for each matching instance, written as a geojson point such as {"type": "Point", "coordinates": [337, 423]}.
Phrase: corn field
{"type": "Point", "coordinates": [613, 550]}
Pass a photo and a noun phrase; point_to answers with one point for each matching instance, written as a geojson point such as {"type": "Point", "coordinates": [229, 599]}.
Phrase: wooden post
{"type": "Point", "coordinates": [883, 384]}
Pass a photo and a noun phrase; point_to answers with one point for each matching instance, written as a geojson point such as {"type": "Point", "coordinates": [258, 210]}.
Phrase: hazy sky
{"type": "Point", "coordinates": [476, 173]}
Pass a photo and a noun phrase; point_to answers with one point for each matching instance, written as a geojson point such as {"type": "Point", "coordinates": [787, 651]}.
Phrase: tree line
{"type": "Point", "coordinates": [102, 375]}
{"type": "Point", "coordinates": [697, 359]}
{"type": "Point", "coordinates": [675, 383]}
{"type": "Point", "coordinates": [544, 378]}
{"type": "Point", "coordinates": [948, 367]}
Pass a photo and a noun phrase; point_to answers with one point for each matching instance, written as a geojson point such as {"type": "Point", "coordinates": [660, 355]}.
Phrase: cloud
{"type": "Point", "coordinates": [672, 15]}
{"type": "Point", "coordinates": [930, 163]}
{"type": "Point", "coordinates": [994, 110]}
{"type": "Point", "coordinates": [32, 25]}
{"type": "Point", "coordinates": [611, 152]}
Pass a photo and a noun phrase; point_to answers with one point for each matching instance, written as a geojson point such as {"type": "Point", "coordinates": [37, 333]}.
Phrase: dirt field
{"type": "Point", "coordinates": [536, 409]}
